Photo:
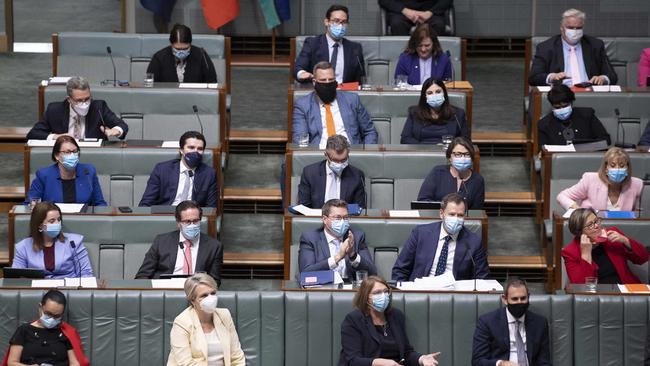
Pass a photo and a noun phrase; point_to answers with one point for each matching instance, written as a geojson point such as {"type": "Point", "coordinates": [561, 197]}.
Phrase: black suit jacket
{"type": "Point", "coordinates": [549, 58]}
{"type": "Point", "coordinates": [313, 182]}
{"type": "Point", "coordinates": [492, 339]}
{"type": "Point", "coordinates": [57, 119]}
{"type": "Point", "coordinates": [163, 184]}
{"type": "Point", "coordinates": [645, 138]}
{"type": "Point", "coordinates": [161, 257]}
{"type": "Point", "coordinates": [586, 127]}
{"type": "Point", "coordinates": [198, 69]}
{"type": "Point", "coordinates": [360, 342]}
{"type": "Point", "coordinates": [315, 50]}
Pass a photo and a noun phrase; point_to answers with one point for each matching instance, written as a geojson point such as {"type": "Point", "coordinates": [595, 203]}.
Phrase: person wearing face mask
{"type": "Point", "coordinates": [79, 116]}
{"type": "Point", "coordinates": [182, 62]}
{"type": "Point", "coordinates": [188, 178]}
{"type": "Point", "coordinates": [512, 335]}
{"type": "Point", "coordinates": [332, 178]}
{"type": "Point", "coordinates": [375, 333]}
{"type": "Point", "coordinates": [203, 334]}
{"type": "Point", "coordinates": [600, 252]}
{"type": "Point", "coordinates": [335, 246]}
{"type": "Point", "coordinates": [327, 112]}
{"type": "Point", "coordinates": [612, 188]}
{"type": "Point", "coordinates": [433, 117]}
{"type": "Point", "coordinates": [67, 180]}
{"type": "Point", "coordinates": [47, 340]}
{"type": "Point", "coordinates": [444, 246]}
{"type": "Point", "coordinates": [184, 251]}
{"type": "Point", "coordinates": [571, 57]}
{"type": "Point", "coordinates": [582, 122]}
{"type": "Point", "coordinates": [423, 57]}
{"type": "Point", "coordinates": [457, 176]}
{"type": "Point", "coordinates": [58, 254]}
{"type": "Point", "coordinates": [345, 56]}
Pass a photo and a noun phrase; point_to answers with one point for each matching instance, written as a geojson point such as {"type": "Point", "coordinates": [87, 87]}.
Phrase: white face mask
{"type": "Point", "coordinates": [81, 108]}
{"type": "Point", "coordinates": [573, 35]}
{"type": "Point", "coordinates": [209, 303]}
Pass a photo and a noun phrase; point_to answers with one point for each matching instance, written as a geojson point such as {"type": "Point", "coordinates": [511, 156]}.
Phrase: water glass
{"type": "Point", "coordinates": [591, 283]}
{"type": "Point", "coordinates": [303, 140]}
{"type": "Point", "coordinates": [33, 202]}
{"type": "Point", "coordinates": [360, 276]}
{"type": "Point", "coordinates": [148, 80]}
{"type": "Point", "coordinates": [401, 82]}
{"type": "Point", "coordinates": [446, 141]}
{"type": "Point", "coordinates": [366, 83]}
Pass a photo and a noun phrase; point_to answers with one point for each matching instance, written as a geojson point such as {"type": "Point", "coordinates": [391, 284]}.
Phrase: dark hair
{"type": "Point", "coordinates": [578, 220]}
{"type": "Point", "coordinates": [421, 32]}
{"type": "Point", "coordinates": [180, 33]}
{"type": "Point", "coordinates": [451, 198]}
{"type": "Point", "coordinates": [60, 141]}
{"type": "Point", "coordinates": [560, 94]}
{"type": "Point", "coordinates": [460, 140]}
{"type": "Point", "coordinates": [322, 65]}
{"type": "Point", "coordinates": [191, 135]}
{"type": "Point", "coordinates": [56, 296]}
{"type": "Point", "coordinates": [361, 297]}
{"type": "Point", "coordinates": [39, 213]}
{"type": "Point", "coordinates": [334, 202]}
{"type": "Point", "coordinates": [186, 205]}
{"type": "Point", "coordinates": [423, 111]}
{"type": "Point", "coordinates": [337, 7]}
{"type": "Point", "coordinates": [515, 282]}
{"type": "Point", "coordinates": [337, 143]}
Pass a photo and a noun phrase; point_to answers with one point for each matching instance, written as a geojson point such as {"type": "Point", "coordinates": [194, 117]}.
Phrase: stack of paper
{"type": "Point", "coordinates": [403, 213]}
{"type": "Point", "coordinates": [302, 209]}
{"type": "Point", "coordinates": [560, 148]}
{"type": "Point", "coordinates": [198, 85]}
{"type": "Point", "coordinates": [90, 282]}
{"type": "Point", "coordinates": [481, 285]}
{"type": "Point", "coordinates": [168, 283]}
{"type": "Point", "coordinates": [444, 282]}
{"type": "Point", "coordinates": [70, 207]}
{"type": "Point", "coordinates": [637, 288]}
{"type": "Point", "coordinates": [170, 144]}
{"type": "Point", "coordinates": [58, 80]}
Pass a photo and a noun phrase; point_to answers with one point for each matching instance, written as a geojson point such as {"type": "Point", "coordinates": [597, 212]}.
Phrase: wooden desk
{"type": "Point", "coordinates": [612, 290]}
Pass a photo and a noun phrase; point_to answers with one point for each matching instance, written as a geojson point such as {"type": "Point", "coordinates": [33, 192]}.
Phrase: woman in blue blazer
{"type": "Point", "coordinates": [423, 57]}
{"type": "Point", "coordinates": [59, 255]}
{"type": "Point", "coordinates": [375, 333]}
{"type": "Point", "coordinates": [67, 180]}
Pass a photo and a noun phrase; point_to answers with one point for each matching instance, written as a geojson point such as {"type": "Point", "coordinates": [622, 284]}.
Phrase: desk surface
{"type": "Point", "coordinates": [576, 289]}
{"type": "Point", "coordinates": [226, 285]}
{"type": "Point", "coordinates": [294, 286]}
{"type": "Point", "coordinates": [111, 211]}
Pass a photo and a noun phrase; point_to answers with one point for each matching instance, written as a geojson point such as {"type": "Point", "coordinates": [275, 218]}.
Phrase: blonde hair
{"type": "Point", "coordinates": [611, 154]}
{"type": "Point", "coordinates": [191, 283]}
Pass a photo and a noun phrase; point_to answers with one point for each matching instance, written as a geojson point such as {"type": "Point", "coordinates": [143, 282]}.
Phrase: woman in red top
{"type": "Point", "coordinates": [599, 252]}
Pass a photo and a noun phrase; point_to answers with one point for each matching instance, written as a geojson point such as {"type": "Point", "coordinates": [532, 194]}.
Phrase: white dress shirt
{"type": "Point", "coordinates": [182, 177]}
{"type": "Point", "coordinates": [180, 70]}
{"type": "Point", "coordinates": [215, 350]}
{"type": "Point", "coordinates": [180, 254]}
{"type": "Point", "coordinates": [334, 245]}
{"type": "Point", "coordinates": [339, 127]}
{"type": "Point", "coordinates": [332, 180]}
{"type": "Point", "coordinates": [450, 253]}
{"type": "Point", "coordinates": [512, 327]}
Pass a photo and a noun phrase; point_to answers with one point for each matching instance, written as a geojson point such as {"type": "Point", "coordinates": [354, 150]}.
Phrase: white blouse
{"type": "Point", "coordinates": [215, 351]}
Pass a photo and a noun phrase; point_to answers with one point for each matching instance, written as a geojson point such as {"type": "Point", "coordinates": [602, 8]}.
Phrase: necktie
{"type": "Point", "coordinates": [575, 68]}
{"type": "Point", "coordinates": [77, 128]}
{"type": "Point", "coordinates": [521, 347]}
{"type": "Point", "coordinates": [335, 55]}
{"type": "Point", "coordinates": [187, 262]}
{"type": "Point", "coordinates": [329, 121]}
{"type": "Point", "coordinates": [185, 195]}
{"type": "Point", "coordinates": [442, 261]}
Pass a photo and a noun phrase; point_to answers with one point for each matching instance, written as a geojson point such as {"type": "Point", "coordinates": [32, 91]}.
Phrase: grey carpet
{"type": "Point", "coordinates": [259, 98]}
{"type": "Point", "coordinates": [21, 73]}
{"type": "Point", "coordinates": [12, 169]}
{"type": "Point", "coordinates": [513, 236]}
{"type": "Point", "coordinates": [505, 174]}
{"type": "Point", "coordinates": [252, 233]}
{"type": "Point", "coordinates": [253, 171]}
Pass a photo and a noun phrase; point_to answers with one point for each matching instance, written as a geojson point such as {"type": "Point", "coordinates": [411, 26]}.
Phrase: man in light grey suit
{"type": "Point", "coordinates": [185, 251]}
{"type": "Point", "coordinates": [326, 112]}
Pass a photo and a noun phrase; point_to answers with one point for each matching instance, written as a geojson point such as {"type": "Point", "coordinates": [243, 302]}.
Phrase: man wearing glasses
{"type": "Point", "coordinates": [345, 56]}
{"type": "Point", "coordinates": [78, 116]}
{"type": "Point", "coordinates": [335, 246]}
{"type": "Point", "coordinates": [184, 251]}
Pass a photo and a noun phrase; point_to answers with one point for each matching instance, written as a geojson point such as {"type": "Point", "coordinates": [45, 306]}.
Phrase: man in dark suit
{"type": "Point", "coordinates": [571, 57]}
{"type": "Point", "coordinates": [78, 116]}
{"type": "Point", "coordinates": [177, 180]}
{"type": "Point", "coordinates": [433, 249]}
{"type": "Point", "coordinates": [402, 15]}
{"type": "Point", "coordinates": [512, 335]}
{"type": "Point", "coordinates": [184, 251]}
{"type": "Point", "coordinates": [345, 56]}
{"type": "Point", "coordinates": [326, 112]}
{"type": "Point", "coordinates": [332, 178]}
{"type": "Point", "coordinates": [335, 246]}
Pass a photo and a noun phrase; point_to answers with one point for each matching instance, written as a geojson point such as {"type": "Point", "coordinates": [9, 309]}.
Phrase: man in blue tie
{"type": "Point", "coordinates": [444, 246]}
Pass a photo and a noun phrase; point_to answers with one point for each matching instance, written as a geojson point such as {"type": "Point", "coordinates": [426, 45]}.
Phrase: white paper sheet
{"type": "Point", "coordinates": [560, 148]}
{"type": "Point", "coordinates": [58, 80]}
{"type": "Point", "coordinates": [443, 282]}
{"type": "Point", "coordinates": [48, 283]}
{"type": "Point", "coordinates": [40, 143]}
{"type": "Point", "coordinates": [70, 207]}
{"type": "Point", "coordinates": [198, 85]}
{"type": "Point", "coordinates": [171, 144]}
{"type": "Point", "coordinates": [337, 278]}
{"type": "Point", "coordinates": [481, 285]}
{"type": "Point", "coordinates": [168, 283]}
{"type": "Point", "coordinates": [544, 89]}
{"type": "Point", "coordinates": [568, 213]}
{"type": "Point", "coordinates": [308, 211]}
{"type": "Point", "coordinates": [90, 282]}
{"type": "Point", "coordinates": [403, 213]}
{"type": "Point", "coordinates": [624, 290]}
{"type": "Point", "coordinates": [90, 143]}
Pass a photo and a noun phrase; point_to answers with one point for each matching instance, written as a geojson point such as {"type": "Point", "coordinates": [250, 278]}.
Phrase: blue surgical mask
{"type": "Point", "coordinates": [191, 231]}
{"type": "Point", "coordinates": [617, 175]}
{"type": "Point", "coordinates": [340, 227]}
{"type": "Point", "coordinates": [48, 322]}
{"type": "Point", "coordinates": [193, 159]}
{"type": "Point", "coordinates": [337, 31]}
{"type": "Point", "coordinates": [435, 100]}
{"type": "Point", "coordinates": [461, 164]}
{"type": "Point", "coordinates": [453, 224]}
{"type": "Point", "coordinates": [573, 35]}
{"type": "Point", "coordinates": [563, 113]}
{"type": "Point", "coordinates": [380, 302]}
{"type": "Point", "coordinates": [70, 161]}
{"type": "Point", "coordinates": [53, 230]}
{"type": "Point", "coordinates": [181, 54]}
{"type": "Point", "coordinates": [338, 168]}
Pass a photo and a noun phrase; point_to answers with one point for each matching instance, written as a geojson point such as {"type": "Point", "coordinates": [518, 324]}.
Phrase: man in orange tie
{"type": "Point", "coordinates": [327, 112]}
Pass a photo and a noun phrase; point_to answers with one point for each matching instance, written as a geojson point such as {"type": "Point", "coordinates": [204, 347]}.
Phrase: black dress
{"type": "Point", "coordinates": [41, 345]}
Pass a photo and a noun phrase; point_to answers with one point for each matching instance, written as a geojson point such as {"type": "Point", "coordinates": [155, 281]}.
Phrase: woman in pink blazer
{"type": "Point", "coordinates": [644, 67]}
{"type": "Point", "coordinates": [612, 188]}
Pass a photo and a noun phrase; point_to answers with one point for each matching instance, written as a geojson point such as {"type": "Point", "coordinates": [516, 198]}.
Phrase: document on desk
{"type": "Point", "coordinates": [89, 282]}
{"type": "Point", "coordinates": [168, 283]}
{"type": "Point", "coordinates": [40, 143]}
{"type": "Point", "coordinates": [70, 207]}
{"type": "Point", "coordinates": [90, 143]}
{"type": "Point", "coordinates": [638, 288]}
{"type": "Point", "coordinates": [444, 282]}
{"type": "Point", "coordinates": [48, 283]}
{"type": "Point", "coordinates": [544, 89]}
{"type": "Point", "coordinates": [171, 144]}
{"type": "Point", "coordinates": [403, 213]}
{"type": "Point", "coordinates": [568, 213]}
{"type": "Point", "coordinates": [560, 148]}
{"type": "Point", "coordinates": [198, 85]}
{"type": "Point", "coordinates": [481, 285]}
{"type": "Point", "coordinates": [58, 80]}
{"type": "Point", "coordinates": [606, 88]}
{"type": "Point", "coordinates": [304, 210]}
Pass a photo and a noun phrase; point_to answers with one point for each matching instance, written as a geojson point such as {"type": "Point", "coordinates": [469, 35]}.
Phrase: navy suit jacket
{"type": "Point", "coordinates": [313, 181]}
{"type": "Point", "coordinates": [48, 187]}
{"type": "Point", "coordinates": [492, 339]}
{"type": "Point", "coordinates": [163, 184]}
{"type": "Point", "coordinates": [56, 119]}
{"type": "Point", "coordinates": [416, 258]}
{"type": "Point", "coordinates": [315, 50]}
{"type": "Point", "coordinates": [549, 58]}
{"type": "Point", "coordinates": [360, 342]}
{"type": "Point", "coordinates": [314, 252]}
{"type": "Point", "coordinates": [409, 64]}
{"type": "Point", "coordinates": [307, 119]}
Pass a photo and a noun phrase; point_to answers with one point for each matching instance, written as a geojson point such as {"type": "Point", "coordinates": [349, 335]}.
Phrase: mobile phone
{"type": "Point", "coordinates": [585, 84]}
{"type": "Point", "coordinates": [125, 209]}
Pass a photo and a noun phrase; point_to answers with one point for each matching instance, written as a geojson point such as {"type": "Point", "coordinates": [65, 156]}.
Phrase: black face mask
{"type": "Point", "coordinates": [326, 91]}
{"type": "Point", "coordinates": [517, 310]}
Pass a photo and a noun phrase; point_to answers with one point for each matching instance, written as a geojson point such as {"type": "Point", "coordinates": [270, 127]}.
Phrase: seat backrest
{"type": "Point", "coordinates": [385, 258]}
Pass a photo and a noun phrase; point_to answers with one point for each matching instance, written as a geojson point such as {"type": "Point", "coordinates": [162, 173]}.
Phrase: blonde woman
{"type": "Point", "coordinates": [204, 335]}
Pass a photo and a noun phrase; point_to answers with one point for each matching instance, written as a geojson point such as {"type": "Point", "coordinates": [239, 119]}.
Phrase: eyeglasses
{"type": "Point", "coordinates": [380, 292]}
{"type": "Point", "coordinates": [66, 152]}
{"type": "Point", "coordinates": [461, 155]}
{"type": "Point", "coordinates": [337, 218]}
{"type": "Point", "coordinates": [190, 222]}
{"type": "Point", "coordinates": [594, 224]}
{"type": "Point", "coordinates": [79, 101]}
{"type": "Point", "coordinates": [339, 21]}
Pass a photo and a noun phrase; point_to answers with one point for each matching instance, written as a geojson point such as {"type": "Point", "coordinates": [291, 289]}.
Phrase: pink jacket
{"type": "Point", "coordinates": [644, 67]}
{"type": "Point", "coordinates": [590, 191]}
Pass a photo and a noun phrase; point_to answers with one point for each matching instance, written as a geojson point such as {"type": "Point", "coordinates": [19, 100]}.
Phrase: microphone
{"type": "Point", "coordinates": [205, 59]}
{"type": "Point", "coordinates": [110, 54]}
{"type": "Point", "coordinates": [473, 266]}
{"type": "Point", "coordinates": [365, 196]}
{"type": "Point", "coordinates": [182, 246]}
{"type": "Point", "coordinates": [196, 112]}
{"type": "Point", "coordinates": [363, 69]}
{"type": "Point", "coordinates": [460, 130]}
{"type": "Point", "coordinates": [74, 252]}
{"type": "Point", "coordinates": [620, 122]}
{"type": "Point", "coordinates": [453, 72]}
